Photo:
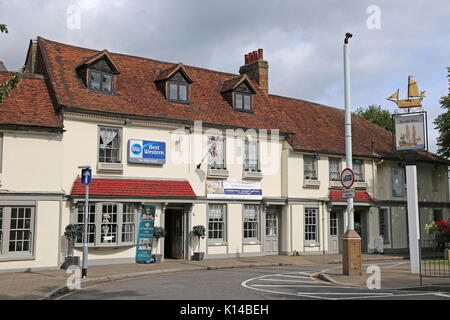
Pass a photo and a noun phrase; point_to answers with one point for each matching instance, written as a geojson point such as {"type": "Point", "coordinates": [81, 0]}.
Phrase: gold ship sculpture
{"type": "Point", "coordinates": [414, 98]}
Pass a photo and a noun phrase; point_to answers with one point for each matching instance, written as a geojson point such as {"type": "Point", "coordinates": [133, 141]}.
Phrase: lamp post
{"type": "Point", "coordinates": [351, 241]}
{"type": "Point", "coordinates": [86, 178]}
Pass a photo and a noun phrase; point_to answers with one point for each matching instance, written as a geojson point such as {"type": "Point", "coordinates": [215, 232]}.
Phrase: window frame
{"type": "Point", "coordinates": [178, 84]}
{"type": "Point", "coordinates": [363, 174]}
{"type": "Point", "coordinates": [315, 166]}
{"type": "Point", "coordinates": [5, 253]}
{"type": "Point", "coordinates": [247, 154]}
{"type": "Point", "coordinates": [242, 108]}
{"type": "Point", "coordinates": [224, 229]}
{"type": "Point", "coordinates": [224, 151]}
{"type": "Point", "coordinates": [120, 138]}
{"type": "Point", "coordinates": [98, 243]}
{"type": "Point", "coordinates": [339, 168]}
{"type": "Point", "coordinates": [102, 73]}
{"type": "Point", "coordinates": [311, 242]}
{"type": "Point", "coordinates": [257, 229]}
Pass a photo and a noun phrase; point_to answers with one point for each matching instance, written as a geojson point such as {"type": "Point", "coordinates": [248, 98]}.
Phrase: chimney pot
{"type": "Point", "coordinates": [247, 59]}
{"type": "Point", "coordinates": [260, 54]}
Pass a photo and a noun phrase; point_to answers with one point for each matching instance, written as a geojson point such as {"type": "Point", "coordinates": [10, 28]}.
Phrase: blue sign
{"type": "Point", "coordinates": [86, 176]}
{"type": "Point", "coordinates": [146, 152]}
{"type": "Point", "coordinates": [145, 235]}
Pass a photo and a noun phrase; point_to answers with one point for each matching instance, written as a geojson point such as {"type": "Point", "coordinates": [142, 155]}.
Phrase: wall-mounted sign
{"type": "Point", "coordinates": [145, 235]}
{"type": "Point", "coordinates": [219, 189]}
{"type": "Point", "coordinates": [146, 152]}
{"type": "Point", "coordinates": [347, 178]}
{"type": "Point", "coordinates": [410, 131]}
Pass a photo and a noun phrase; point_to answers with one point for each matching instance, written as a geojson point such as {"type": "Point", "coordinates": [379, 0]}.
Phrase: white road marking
{"type": "Point", "coordinates": [287, 286]}
{"type": "Point", "coordinates": [291, 276]}
{"type": "Point", "coordinates": [285, 280]}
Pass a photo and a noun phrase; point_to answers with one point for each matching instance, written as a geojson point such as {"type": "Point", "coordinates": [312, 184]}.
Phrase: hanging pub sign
{"type": "Point", "coordinates": [244, 190]}
{"type": "Point", "coordinates": [410, 131]}
{"type": "Point", "coordinates": [145, 235]}
{"type": "Point", "coordinates": [146, 152]}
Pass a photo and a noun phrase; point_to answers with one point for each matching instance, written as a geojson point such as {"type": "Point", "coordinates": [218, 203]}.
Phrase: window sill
{"type": "Point", "coordinates": [16, 258]}
{"type": "Point", "coordinates": [217, 244]}
{"type": "Point", "coordinates": [98, 246]}
{"type": "Point", "coordinates": [109, 167]}
{"type": "Point", "coordinates": [312, 245]}
{"type": "Point", "coordinates": [335, 184]}
{"type": "Point", "coordinates": [311, 183]}
{"type": "Point", "coordinates": [218, 173]}
{"type": "Point", "coordinates": [251, 243]}
{"type": "Point", "coordinates": [360, 185]}
{"type": "Point", "coordinates": [257, 175]}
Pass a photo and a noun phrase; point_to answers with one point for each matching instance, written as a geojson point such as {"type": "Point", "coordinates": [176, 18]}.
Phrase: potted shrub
{"type": "Point", "coordinates": [159, 233]}
{"type": "Point", "coordinates": [72, 232]}
{"type": "Point", "coordinates": [200, 233]}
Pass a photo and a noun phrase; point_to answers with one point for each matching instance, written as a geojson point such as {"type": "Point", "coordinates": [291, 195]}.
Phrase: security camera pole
{"type": "Point", "coordinates": [351, 241]}
{"type": "Point", "coordinates": [86, 179]}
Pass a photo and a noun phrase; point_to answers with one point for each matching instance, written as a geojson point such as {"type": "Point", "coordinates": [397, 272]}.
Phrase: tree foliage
{"type": "Point", "coordinates": [9, 85]}
{"type": "Point", "coordinates": [442, 123]}
{"type": "Point", "coordinates": [377, 115]}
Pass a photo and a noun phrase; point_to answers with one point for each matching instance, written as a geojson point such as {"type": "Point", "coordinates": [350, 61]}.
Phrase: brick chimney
{"type": "Point", "coordinates": [257, 69]}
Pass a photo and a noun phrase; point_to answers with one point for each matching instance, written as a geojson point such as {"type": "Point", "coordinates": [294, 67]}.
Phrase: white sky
{"type": "Point", "coordinates": [302, 41]}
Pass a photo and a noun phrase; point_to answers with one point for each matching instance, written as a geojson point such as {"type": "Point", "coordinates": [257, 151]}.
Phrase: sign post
{"type": "Point", "coordinates": [351, 241]}
{"type": "Point", "coordinates": [86, 179]}
{"type": "Point", "coordinates": [145, 235]}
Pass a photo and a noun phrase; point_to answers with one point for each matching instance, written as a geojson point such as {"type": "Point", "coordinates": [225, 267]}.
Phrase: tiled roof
{"type": "Point", "coordinates": [137, 92]}
{"type": "Point", "coordinates": [29, 104]}
{"type": "Point", "coordinates": [136, 188]}
{"type": "Point", "coordinates": [336, 195]}
{"type": "Point", "coordinates": [235, 82]}
{"type": "Point", "coordinates": [316, 127]}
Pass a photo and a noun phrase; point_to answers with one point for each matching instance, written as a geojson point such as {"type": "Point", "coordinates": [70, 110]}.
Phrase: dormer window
{"type": "Point", "coordinates": [178, 92]}
{"type": "Point", "coordinates": [98, 72]}
{"type": "Point", "coordinates": [242, 101]}
{"type": "Point", "coordinates": [174, 83]}
{"type": "Point", "coordinates": [239, 93]}
{"type": "Point", "coordinates": [100, 81]}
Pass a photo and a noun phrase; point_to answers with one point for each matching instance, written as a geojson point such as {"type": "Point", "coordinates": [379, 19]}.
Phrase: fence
{"type": "Point", "coordinates": [434, 258]}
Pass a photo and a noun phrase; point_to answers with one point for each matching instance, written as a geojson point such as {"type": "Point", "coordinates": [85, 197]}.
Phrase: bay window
{"type": "Point", "coordinates": [109, 224]}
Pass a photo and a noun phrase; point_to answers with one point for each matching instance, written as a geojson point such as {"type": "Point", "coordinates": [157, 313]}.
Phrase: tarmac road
{"type": "Point", "coordinates": [270, 283]}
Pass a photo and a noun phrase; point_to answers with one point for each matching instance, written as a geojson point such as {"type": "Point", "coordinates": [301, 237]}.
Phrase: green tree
{"type": "Point", "coordinates": [9, 85]}
{"type": "Point", "coordinates": [375, 114]}
{"type": "Point", "coordinates": [442, 123]}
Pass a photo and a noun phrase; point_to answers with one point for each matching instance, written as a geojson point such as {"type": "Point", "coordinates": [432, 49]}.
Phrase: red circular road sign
{"type": "Point", "coordinates": [347, 178]}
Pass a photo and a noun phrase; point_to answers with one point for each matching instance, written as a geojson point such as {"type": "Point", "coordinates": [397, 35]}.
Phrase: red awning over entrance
{"type": "Point", "coordinates": [136, 188]}
{"type": "Point", "coordinates": [336, 195]}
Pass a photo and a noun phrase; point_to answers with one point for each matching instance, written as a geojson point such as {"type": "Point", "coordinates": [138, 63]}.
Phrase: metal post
{"type": "Point", "coordinates": [85, 236]}
{"type": "Point", "coordinates": [413, 216]}
{"type": "Point", "coordinates": [348, 126]}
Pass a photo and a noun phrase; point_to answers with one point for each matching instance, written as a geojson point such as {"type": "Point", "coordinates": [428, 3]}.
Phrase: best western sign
{"type": "Point", "coordinates": [146, 152]}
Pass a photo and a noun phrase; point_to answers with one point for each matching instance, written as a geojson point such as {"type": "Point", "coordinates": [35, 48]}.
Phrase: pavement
{"type": "Point", "coordinates": [395, 275]}
{"type": "Point", "coordinates": [35, 285]}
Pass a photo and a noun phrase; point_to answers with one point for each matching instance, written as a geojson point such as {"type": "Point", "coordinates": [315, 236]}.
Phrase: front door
{"type": "Point", "coordinates": [174, 238]}
{"type": "Point", "coordinates": [334, 232]}
{"type": "Point", "coordinates": [272, 232]}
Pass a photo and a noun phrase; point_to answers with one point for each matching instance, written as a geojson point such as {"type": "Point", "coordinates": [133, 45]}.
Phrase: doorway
{"type": "Point", "coordinates": [335, 230]}
{"type": "Point", "coordinates": [174, 240]}
{"type": "Point", "coordinates": [272, 231]}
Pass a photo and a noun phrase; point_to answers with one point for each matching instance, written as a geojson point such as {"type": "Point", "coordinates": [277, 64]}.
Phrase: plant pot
{"type": "Point", "coordinates": [198, 256]}
{"type": "Point", "coordinates": [70, 261]}
{"type": "Point", "coordinates": [157, 258]}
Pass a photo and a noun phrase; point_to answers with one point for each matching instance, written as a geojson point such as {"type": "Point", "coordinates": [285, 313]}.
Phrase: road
{"type": "Point", "coordinates": [271, 283]}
